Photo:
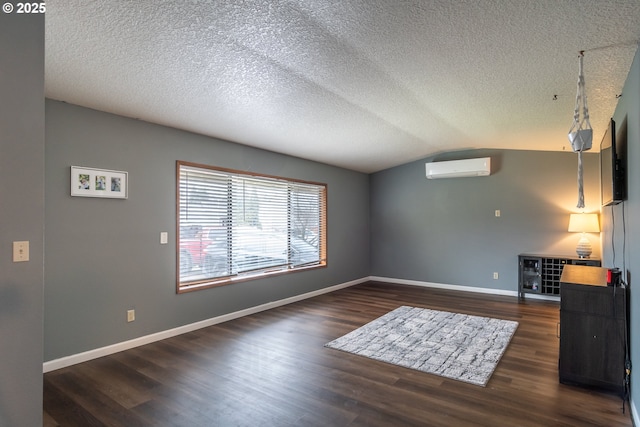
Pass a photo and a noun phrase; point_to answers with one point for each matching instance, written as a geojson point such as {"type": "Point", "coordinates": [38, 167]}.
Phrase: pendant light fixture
{"type": "Point", "coordinates": [581, 133]}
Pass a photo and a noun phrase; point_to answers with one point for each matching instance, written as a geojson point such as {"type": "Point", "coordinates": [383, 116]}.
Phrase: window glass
{"type": "Point", "coordinates": [235, 226]}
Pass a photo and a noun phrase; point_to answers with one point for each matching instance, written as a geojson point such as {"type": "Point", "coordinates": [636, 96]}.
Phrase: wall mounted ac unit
{"type": "Point", "coordinates": [459, 168]}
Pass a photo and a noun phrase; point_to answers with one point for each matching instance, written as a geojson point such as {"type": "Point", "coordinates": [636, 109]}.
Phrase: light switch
{"type": "Point", "coordinates": [497, 213]}
{"type": "Point", "coordinates": [164, 237]}
{"type": "Point", "coordinates": [20, 251]}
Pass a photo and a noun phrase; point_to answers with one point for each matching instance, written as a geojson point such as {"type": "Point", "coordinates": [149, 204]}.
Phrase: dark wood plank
{"type": "Point", "coordinates": [272, 369]}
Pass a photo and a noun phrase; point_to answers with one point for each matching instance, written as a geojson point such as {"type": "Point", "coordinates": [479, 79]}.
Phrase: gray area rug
{"type": "Point", "coordinates": [458, 346]}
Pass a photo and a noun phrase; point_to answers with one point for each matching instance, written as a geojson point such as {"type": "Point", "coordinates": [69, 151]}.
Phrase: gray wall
{"type": "Point", "coordinates": [445, 231]}
{"type": "Point", "coordinates": [21, 217]}
{"type": "Point", "coordinates": [104, 256]}
{"type": "Point", "coordinates": [625, 217]}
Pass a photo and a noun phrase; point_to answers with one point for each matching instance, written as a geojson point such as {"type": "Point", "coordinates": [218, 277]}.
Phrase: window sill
{"type": "Point", "coordinates": [206, 284]}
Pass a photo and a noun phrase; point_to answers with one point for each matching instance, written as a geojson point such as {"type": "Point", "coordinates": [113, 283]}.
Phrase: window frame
{"type": "Point", "coordinates": [206, 283]}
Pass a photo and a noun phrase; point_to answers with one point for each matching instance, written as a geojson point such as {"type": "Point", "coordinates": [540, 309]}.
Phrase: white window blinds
{"type": "Point", "coordinates": [234, 225]}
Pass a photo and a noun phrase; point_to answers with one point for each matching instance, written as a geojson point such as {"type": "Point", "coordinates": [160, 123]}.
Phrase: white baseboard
{"type": "Point", "coordinates": [634, 413]}
{"type": "Point", "coordinates": [73, 359]}
{"type": "Point", "coordinates": [460, 288]}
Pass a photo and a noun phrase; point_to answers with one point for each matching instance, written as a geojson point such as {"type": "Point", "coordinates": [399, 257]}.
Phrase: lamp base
{"type": "Point", "coordinates": [584, 247]}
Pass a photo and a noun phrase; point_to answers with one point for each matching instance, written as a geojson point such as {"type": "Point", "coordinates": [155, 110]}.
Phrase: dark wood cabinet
{"type": "Point", "coordinates": [540, 274]}
{"type": "Point", "coordinates": [593, 329]}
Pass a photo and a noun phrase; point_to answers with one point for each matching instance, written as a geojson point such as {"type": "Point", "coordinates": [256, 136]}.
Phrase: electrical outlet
{"type": "Point", "coordinates": [131, 315]}
{"type": "Point", "coordinates": [495, 275]}
{"type": "Point", "coordinates": [497, 213]}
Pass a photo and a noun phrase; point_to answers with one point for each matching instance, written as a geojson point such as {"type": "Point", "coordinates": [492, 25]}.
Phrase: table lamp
{"type": "Point", "coordinates": [584, 223]}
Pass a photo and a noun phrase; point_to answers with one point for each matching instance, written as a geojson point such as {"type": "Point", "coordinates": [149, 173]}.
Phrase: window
{"type": "Point", "coordinates": [235, 226]}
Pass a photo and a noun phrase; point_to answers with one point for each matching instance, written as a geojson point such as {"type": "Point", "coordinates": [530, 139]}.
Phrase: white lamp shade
{"type": "Point", "coordinates": [584, 223]}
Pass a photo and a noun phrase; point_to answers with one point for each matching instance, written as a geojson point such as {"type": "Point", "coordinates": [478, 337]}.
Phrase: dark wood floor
{"type": "Point", "coordinates": [271, 369]}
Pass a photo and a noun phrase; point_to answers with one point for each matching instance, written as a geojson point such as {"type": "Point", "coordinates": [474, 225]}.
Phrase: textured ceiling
{"type": "Point", "coordinates": [361, 84]}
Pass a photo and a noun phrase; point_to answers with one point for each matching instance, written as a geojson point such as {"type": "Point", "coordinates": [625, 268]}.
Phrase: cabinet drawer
{"type": "Point", "coordinates": [589, 300]}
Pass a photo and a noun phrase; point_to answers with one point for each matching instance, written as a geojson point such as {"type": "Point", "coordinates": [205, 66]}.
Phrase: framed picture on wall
{"type": "Point", "coordinates": [91, 182]}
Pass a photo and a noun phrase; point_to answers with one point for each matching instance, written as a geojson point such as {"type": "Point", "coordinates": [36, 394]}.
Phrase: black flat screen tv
{"type": "Point", "coordinates": [612, 176]}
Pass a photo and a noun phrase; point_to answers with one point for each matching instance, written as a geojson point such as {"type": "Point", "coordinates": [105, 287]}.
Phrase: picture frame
{"type": "Point", "coordinates": [103, 183]}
